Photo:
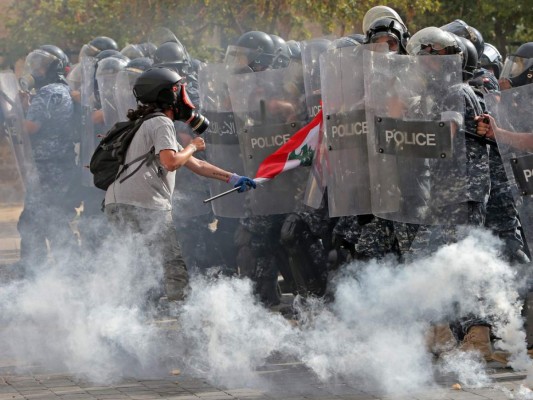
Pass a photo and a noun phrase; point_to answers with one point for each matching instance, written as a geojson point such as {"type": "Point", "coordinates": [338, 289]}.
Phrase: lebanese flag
{"type": "Point", "coordinates": [298, 150]}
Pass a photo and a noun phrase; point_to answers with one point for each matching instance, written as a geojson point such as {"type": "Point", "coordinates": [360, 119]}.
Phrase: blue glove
{"type": "Point", "coordinates": [242, 182]}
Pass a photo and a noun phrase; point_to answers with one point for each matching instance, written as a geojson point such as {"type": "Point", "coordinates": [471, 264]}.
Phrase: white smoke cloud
{"type": "Point", "coordinates": [90, 319]}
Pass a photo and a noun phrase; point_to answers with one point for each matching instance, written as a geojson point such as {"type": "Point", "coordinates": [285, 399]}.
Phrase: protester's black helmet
{"type": "Point", "coordinates": [156, 86]}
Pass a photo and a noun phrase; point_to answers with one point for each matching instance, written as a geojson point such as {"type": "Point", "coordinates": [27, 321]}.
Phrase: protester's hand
{"type": "Point", "coordinates": [199, 143]}
{"type": "Point", "coordinates": [485, 126]}
{"type": "Point", "coordinates": [242, 182]}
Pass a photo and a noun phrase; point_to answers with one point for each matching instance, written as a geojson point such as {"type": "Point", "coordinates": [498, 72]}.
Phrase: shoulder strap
{"type": "Point", "coordinates": [143, 157]}
{"type": "Point", "coordinates": [152, 115]}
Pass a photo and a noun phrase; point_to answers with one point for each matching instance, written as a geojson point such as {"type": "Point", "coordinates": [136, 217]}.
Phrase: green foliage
{"type": "Point", "coordinates": [206, 27]}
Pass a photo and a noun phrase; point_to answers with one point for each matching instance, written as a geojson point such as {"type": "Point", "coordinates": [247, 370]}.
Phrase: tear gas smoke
{"type": "Point", "coordinates": [90, 318]}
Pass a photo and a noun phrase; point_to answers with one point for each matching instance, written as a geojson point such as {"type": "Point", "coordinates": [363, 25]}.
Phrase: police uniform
{"type": "Point", "coordinates": [48, 205]}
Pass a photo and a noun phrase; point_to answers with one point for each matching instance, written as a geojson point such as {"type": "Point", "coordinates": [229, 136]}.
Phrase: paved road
{"type": "Point", "coordinates": [281, 381]}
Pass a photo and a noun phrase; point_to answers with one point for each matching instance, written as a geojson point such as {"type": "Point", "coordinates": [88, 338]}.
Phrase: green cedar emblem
{"type": "Point", "coordinates": [305, 155]}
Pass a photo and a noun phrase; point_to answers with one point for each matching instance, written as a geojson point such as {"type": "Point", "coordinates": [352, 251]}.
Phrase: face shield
{"type": "Point", "coordinates": [74, 77]}
{"type": "Point", "coordinates": [514, 66]}
{"type": "Point", "coordinates": [36, 70]}
{"type": "Point", "coordinates": [88, 51]}
{"type": "Point", "coordinates": [132, 51]}
{"type": "Point", "coordinates": [243, 60]}
{"type": "Point", "coordinates": [387, 37]}
{"type": "Point", "coordinates": [432, 41]}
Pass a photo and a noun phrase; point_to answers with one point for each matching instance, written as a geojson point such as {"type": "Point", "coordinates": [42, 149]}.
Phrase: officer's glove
{"type": "Point", "coordinates": [242, 182]}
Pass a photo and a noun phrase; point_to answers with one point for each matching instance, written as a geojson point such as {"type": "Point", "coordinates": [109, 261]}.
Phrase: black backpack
{"type": "Point", "coordinates": [107, 162]}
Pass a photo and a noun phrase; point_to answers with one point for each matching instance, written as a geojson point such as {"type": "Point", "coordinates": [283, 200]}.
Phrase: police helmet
{"type": "Point", "coordinates": [491, 59]}
{"type": "Point", "coordinates": [139, 65]}
{"type": "Point", "coordinates": [389, 28]}
{"type": "Point", "coordinates": [110, 65]}
{"type": "Point", "coordinates": [111, 53]}
{"type": "Point", "coordinates": [470, 61]}
{"type": "Point", "coordinates": [132, 51]}
{"type": "Point", "coordinates": [282, 54]}
{"type": "Point", "coordinates": [295, 49]}
{"type": "Point", "coordinates": [379, 12]}
{"type": "Point", "coordinates": [358, 37]}
{"type": "Point", "coordinates": [434, 41]}
{"type": "Point", "coordinates": [64, 65]}
{"type": "Point", "coordinates": [518, 67]}
{"type": "Point", "coordinates": [255, 48]}
{"type": "Point", "coordinates": [173, 55]}
{"type": "Point", "coordinates": [104, 43]}
{"type": "Point", "coordinates": [97, 45]}
{"type": "Point", "coordinates": [462, 29]}
{"type": "Point", "coordinates": [155, 85]}
{"type": "Point", "coordinates": [171, 52]}
{"type": "Point", "coordinates": [42, 67]}
{"type": "Point", "coordinates": [345, 41]}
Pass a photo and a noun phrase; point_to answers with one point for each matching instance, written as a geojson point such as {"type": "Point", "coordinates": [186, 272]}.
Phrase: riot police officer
{"type": "Point", "coordinates": [49, 203]}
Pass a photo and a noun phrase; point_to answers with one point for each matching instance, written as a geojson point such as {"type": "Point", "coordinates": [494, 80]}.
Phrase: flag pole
{"type": "Point", "coordinates": [222, 194]}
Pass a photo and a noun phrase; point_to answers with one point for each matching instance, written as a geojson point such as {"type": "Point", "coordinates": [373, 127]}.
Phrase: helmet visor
{"type": "Point", "coordinates": [514, 66]}
{"type": "Point", "coordinates": [386, 37]}
{"type": "Point", "coordinates": [243, 59]}
{"type": "Point", "coordinates": [88, 51]}
{"type": "Point", "coordinates": [38, 62]}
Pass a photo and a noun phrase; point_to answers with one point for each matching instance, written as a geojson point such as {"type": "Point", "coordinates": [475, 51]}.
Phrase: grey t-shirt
{"type": "Point", "coordinates": [152, 185]}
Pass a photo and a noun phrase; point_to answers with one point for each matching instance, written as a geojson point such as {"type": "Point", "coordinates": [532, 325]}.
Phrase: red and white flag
{"type": "Point", "coordinates": [298, 150]}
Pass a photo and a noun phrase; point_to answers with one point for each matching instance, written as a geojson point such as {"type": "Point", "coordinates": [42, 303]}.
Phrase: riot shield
{"type": "Point", "coordinates": [222, 144]}
{"type": "Point", "coordinates": [508, 110]}
{"type": "Point", "coordinates": [416, 149]}
{"type": "Point", "coordinates": [88, 140]}
{"type": "Point", "coordinates": [266, 117]}
{"type": "Point", "coordinates": [11, 117]}
{"type": "Point", "coordinates": [190, 189]}
{"type": "Point", "coordinates": [106, 76]}
{"type": "Point", "coordinates": [74, 78]}
{"type": "Point", "coordinates": [125, 100]}
{"type": "Point", "coordinates": [343, 96]}
{"type": "Point", "coordinates": [311, 52]}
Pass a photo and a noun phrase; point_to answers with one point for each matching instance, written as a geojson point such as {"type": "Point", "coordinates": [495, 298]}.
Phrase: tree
{"type": "Point", "coordinates": [206, 27]}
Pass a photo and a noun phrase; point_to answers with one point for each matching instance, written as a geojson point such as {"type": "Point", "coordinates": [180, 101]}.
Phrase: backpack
{"type": "Point", "coordinates": [107, 161]}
